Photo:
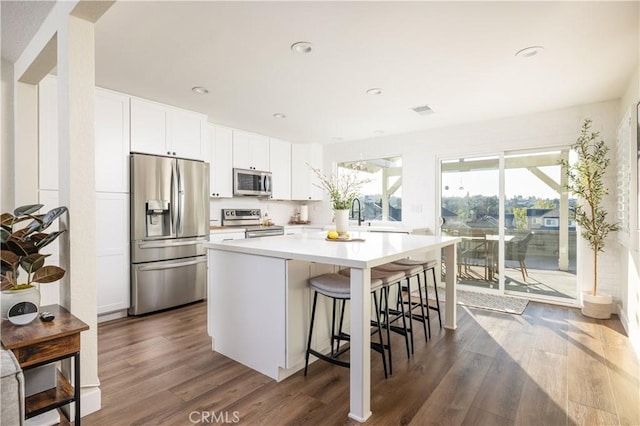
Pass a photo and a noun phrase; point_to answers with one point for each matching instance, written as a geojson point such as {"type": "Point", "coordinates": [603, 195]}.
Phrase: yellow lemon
{"type": "Point", "coordinates": [346, 235]}
{"type": "Point", "coordinates": [333, 235]}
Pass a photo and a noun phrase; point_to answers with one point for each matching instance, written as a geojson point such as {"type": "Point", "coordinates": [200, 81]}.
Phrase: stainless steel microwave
{"type": "Point", "coordinates": [251, 182]}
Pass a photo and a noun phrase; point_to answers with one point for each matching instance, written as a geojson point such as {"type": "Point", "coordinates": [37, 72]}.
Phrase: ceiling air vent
{"type": "Point", "coordinates": [423, 110]}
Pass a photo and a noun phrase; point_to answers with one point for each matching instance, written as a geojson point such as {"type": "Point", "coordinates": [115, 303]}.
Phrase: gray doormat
{"type": "Point", "coordinates": [511, 305]}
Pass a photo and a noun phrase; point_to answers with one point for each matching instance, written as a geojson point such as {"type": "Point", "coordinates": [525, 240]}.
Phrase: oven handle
{"type": "Point", "coordinates": [255, 234]}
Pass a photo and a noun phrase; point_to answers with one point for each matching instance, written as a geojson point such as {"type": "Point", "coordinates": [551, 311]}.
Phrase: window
{"type": "Point", "coordinates": [537, 221]}
{"type": "Point", "coordinates": [381, 197]}
{"type": "Point", "coordinates": [551, 222]}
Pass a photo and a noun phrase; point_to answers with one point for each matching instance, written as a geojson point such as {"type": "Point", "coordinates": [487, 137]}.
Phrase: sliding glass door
{"type": "Point", "coordinates": [470, 208]}
{"type": "Point", "coordinates": [517, 237]}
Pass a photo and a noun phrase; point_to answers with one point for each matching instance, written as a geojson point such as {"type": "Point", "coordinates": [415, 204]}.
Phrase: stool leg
{"type": "Point", "coordinates": [384, 358]}
{"type": "Point", "coordinates": [410, 305]}
{"type": "Point", "coordinates": [426, 298]}
{"type": "Point", "coordinates": [344, 303]}
{"type": "Point", "coordinates": [313, 317]}
{"type": "Point", "coordinates": [404, 318]}
{"type": "Point", "coordinates": [424, 318]}
{"type": "Point", "coordinates": [435, 288]}
{"type": "Point", "coordinates": [385, 299]}
{"type": "Point", "coordinates": [333, 325]}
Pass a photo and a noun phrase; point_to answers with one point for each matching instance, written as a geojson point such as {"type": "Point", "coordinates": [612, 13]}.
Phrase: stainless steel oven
{"type": "Point", "coordinates": [250, 220]}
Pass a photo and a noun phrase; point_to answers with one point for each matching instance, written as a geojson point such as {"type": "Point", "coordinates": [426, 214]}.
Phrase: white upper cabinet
{"type": "Point", "coordinates": [221, 152]}
{"type": "Point", "coordinates": [303, 181]}
{"type": "Point", "coordinates": [187, 134]}
{"type": "Point", "coordinates": [250, 151]}
{"type": "Point", "coordinates": [112, 141]}
{"type": "Point", "coordinates": [163, 130]}
{"type": "Point", "coordinates": [48, 133]}
{"type": "Point", "coordinates": [280, 162]}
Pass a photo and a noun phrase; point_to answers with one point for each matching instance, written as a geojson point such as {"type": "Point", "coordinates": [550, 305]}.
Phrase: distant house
{"type": "Point", "coordinates": [546, 219]}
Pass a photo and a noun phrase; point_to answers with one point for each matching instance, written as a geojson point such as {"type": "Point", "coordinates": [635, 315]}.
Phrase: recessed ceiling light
{"type": "Point", "coordinates": [301, 47]}
{"type": "Point", "coordinates": [200, 90]}
{"type": "Point", "coordinates": [530, 51]}
{"type": "Point", "coordinates": [374, 91]}
{"type": "Point", "coordinates": [378, 132]}
{"type": "Point", "coordinates": [337, 138]}
{"type": "Point", "coordinates": [279, 115]}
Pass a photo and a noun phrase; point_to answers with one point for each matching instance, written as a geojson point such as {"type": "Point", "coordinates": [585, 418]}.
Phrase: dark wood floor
{"type": "Point", "coordinates": [550, 366]}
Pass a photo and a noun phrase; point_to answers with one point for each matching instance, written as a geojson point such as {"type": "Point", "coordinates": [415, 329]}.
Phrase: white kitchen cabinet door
{"type": "Point", "coordinates": [112, 252]}
{"type": "Point", "coordinates": [149, 127]}
{"type": "Point", "coordinates": [187, 134]}
{"type": "Point", "coordinates": [280, 163]}
{"type": "Point", "coordinates": [250, 151]}
{"type": "Point", "coordinates": [221, 154]}
{"type": "Point", "coordinates": [304, 182]}
{"type": "Point", "coordinates": [48, 133]}
{"type": "Point", "coordinates": [220, 237]}
{"type": "Point", "coordinates": [112, 141]}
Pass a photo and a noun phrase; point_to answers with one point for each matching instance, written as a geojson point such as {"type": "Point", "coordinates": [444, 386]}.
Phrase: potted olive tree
{"type": "Point", "coordinates": [586, 181]}
{"type": "Point", "coordinates": [23, 266]}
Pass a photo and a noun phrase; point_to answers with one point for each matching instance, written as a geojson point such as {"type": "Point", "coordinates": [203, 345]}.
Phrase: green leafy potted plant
{"type": "Point", "coordinates": [20, 249]}
{"type": "Point", "coordinates": [343, 189]}
{"type": "Point", "coordinates": [586, 181]}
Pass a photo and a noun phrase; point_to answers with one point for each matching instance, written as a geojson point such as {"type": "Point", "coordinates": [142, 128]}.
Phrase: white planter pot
{"type": "Point", "coordinates": [342, 221]}
{"type": "Point", "coordinates": [11, 297]}
{"type": "Point", "coordinates": [598, 306]}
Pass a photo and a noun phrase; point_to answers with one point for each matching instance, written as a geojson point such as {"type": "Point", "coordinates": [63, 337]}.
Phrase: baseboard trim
{"type": "Point", "coordinates": [90, 399]}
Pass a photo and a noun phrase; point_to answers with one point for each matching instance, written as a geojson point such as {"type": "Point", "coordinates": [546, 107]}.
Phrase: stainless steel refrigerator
{"type": "Point", "coordinates": [169, 224]}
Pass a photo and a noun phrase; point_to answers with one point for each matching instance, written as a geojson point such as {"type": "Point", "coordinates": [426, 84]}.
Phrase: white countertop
{"type": "Point", "coordinates": [377, 249]}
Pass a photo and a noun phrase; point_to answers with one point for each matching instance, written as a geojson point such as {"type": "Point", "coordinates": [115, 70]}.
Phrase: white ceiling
{"type": "Point", "coordinates": [457, 57]}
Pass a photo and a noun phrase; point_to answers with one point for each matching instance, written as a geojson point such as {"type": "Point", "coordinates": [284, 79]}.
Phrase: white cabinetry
{"type": "Point", "coordinates": [280, 163]}
{"type": "Point", "coordinates": [48, 133]}
{"type": "Point", "coordinates": [219, 237]}
{"type": "Point", "coordinates": [163, 130]}
{"type": "Point", "coordinates": [112, 235]}
{"type": "Point", "coordinates": [303, 180]}
{"type": "Point", "coordinates": [220, 158]}
{"type": "Point", "coordinates": [250, 151]}
{"type": "Point", "coordinates": [112, 141]}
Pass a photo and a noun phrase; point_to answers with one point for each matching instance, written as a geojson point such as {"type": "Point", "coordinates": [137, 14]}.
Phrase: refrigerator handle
{"type": "Point", "coordinates": [179, 228]}
{"type": "Point", "coordinates": [174, 199]}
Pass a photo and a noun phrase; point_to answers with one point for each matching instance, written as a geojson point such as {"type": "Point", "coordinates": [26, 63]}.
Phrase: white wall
{"type": "Point", "coordinates": [7, 202]}
{"type": "Point", "coordinates": [629, 257]}
{"type": "Point", "coordinates": [421, 152]}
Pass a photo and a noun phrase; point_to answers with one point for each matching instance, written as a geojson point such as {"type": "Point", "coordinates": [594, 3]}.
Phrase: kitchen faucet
{"type": "Point", "coordinates": [360, 218]}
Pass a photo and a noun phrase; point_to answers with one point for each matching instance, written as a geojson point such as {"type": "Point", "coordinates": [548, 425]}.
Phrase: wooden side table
{"type": "Point", "coordinates": [40, 343]}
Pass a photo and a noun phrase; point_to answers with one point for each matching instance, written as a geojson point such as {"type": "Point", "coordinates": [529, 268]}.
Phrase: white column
{"type": "Point", "coordinates": [76, 75]}
{"type": "Point", "coordinates": [360, 368]}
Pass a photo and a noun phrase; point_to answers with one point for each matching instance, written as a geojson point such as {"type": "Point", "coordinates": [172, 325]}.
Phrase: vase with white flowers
{"type": "Point", "coordinates": [343, 188]}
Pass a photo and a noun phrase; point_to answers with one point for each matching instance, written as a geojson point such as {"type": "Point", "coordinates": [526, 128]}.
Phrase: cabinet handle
{"type": "Point", "coordinates": [309, 197]}
{"type": "Point", "coordinates": [174, 153]}
{"type": "Point", "coordinates": [168, 152]}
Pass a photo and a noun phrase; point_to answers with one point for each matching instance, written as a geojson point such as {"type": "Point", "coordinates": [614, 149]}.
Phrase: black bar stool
{"type": "Point", "coordinates": [409, 272]}
{"type": "Point", "coordinates": [338, 287]}
{"type": "Point", "coordinates": [389, 279]}
{"type": "Point", "coordinates": [428, 265]}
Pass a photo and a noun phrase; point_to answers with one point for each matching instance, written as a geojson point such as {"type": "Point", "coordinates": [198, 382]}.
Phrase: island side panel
{"type": "Point", "coordinates": [246, 309]}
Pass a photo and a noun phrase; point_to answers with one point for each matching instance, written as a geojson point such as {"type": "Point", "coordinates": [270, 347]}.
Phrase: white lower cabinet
{"type": "Point", "coordinates": [112, 252]}
{"type": "Point", "coordinates": [220, 237]}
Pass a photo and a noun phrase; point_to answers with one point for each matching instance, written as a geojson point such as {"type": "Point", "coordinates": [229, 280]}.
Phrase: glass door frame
{"type": "Point", "coordinates": [502, 154]}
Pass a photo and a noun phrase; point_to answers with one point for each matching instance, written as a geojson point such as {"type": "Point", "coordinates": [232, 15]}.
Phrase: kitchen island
{"type": "Point", "coordinates": [259, 299]}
